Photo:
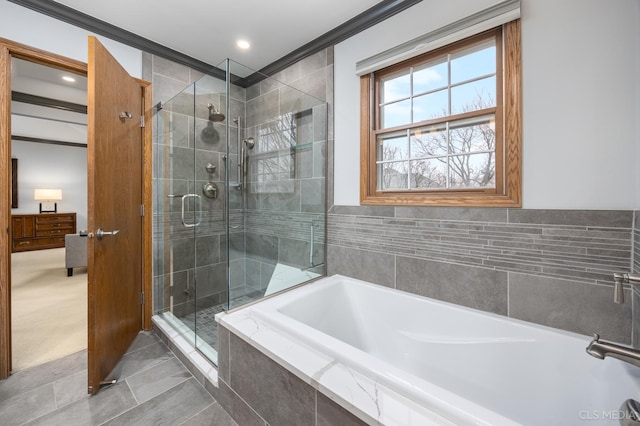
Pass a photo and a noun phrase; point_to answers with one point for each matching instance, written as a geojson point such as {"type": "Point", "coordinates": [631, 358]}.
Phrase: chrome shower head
{"type": "Point", "coordinates": [249, 142]}
{"type": "Point", "coordinates": [215, 115]}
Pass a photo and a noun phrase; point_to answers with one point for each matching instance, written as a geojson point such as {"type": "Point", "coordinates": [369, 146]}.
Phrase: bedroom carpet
{"type": "Point", "coordinates": [48, 309]}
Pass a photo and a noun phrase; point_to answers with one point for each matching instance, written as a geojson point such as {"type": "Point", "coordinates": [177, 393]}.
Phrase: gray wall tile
{"type": "Point", "coordinates": [364, 210]}
{"type": "Point", "coordinates": [378, 268]}
{"type": "Point", "coordinates": [171, 69]}
{"type": "Point", "coordinates": [453, 213]}
{"type": "Point", "coordinates": [477, 288]}
{"type": "Point", "coordinates": [262, 247]}
{"type": "Point", "coordinates": [331, 414]}
{"type": "Point", "coordinates": [312, 193]}
{"type": "Point", "coordinates": [296, 400]}
{"type": "Point", "coordinates": [569, 305]}
{"type": "Point", "coordinates": [207, 250]}
{"type": "Point", "coordinates": [603, 218]}
{"type": "Point", "coordinates": [223, 353]}
{"type": "Point", "coordinates": [211, 279]}
{"type": "Point", "coordinates": [238, 409]}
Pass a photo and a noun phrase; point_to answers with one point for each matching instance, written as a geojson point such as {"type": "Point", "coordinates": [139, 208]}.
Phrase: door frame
{"type": "Point", "coordinates": [10, 49]}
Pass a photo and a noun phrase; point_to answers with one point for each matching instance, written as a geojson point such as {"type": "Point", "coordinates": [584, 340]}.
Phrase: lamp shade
{"type": "Point", "coordinates": [47, 194]}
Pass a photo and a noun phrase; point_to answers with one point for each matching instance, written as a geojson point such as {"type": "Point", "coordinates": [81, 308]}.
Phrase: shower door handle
{"type": "Point", "coordinates": [184, 222]}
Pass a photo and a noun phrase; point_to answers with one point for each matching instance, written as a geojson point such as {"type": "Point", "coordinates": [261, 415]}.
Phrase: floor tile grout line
{"type": "Point", "coordinates": [45, 414]}
{"type": "Point", "coordinates": [43, 384]}
{"type": "Point", "coordinates": [205, 408]}
{"type": "Point", "coordinates": [155, 340]}
{"type": "Point", "coordinates": [143, 371]}
{"type": "Point", "coordinates": [27, 391]}
{"type": "Point", "coordinates": [204, 378]}
{"type": "Point", "coordinates": [125, 411]}
{"type": "Point", "coordinates": [131, 390]}
{"type": "Point", "coordinates": [140, 404]}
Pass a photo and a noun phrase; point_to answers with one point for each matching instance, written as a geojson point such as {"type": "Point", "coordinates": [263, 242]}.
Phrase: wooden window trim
{"type": "Point", "coordinates": [508, 192]}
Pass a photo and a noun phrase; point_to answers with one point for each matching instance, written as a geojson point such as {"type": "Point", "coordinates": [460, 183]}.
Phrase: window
{"type": "Point", "coordinates": [444, 128]}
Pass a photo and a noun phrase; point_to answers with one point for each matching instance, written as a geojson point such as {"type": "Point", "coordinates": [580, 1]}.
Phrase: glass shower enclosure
{"type": "Point", "coordinates": [239, 197]}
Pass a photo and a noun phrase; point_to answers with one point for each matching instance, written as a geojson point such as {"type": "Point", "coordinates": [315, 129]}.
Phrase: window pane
{"type": "Point", "coordinates": [429, 173]}
{"type": "Point", "coordinates": [396, 114]}
{"type": "Point", "coordinates": [473, 96]}
{"type": "Point", "coordinates": [430, 76]}
{"type": "Point", "coordinates": [428, 107]}
{"type": "Point", "coordinates": [392, 175]}
{"type": "Point", "coordinates": [395, 87]}
{"type": "Point", "coordinates": [429, 142]}
{"type": "Point", "coordinates": [473, 135]}
{"type": "Point", "coordinates": [393, 148]}
{"type": "Point", "coordinates": [472, 171]}
{"type": "Point", "coordinates": [474, 62]}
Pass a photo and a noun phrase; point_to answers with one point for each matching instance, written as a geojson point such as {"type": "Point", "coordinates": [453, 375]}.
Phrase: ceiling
{"type": "Point", "coordinates": [205, 30]}
{"type": "Point", "coordinates": [53, 123]}
{"type": "Point", "coordinates": [208, 30]}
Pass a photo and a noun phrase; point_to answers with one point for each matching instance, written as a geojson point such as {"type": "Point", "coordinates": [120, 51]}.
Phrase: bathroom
{"type": "Point", "coordinates": [580, 191]}
{"type": "Point", "coordinates": [573, 231]}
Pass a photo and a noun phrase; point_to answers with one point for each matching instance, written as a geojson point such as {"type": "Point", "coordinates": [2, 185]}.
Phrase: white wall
{"type": "Point", "coordinates": [638, 109]}
{"type": "Point", "coordinates": [25, 26]}
{"type": "Point", "coordinates": [52, 166]}
{"type": "Point", "coordinates": [579, 98]}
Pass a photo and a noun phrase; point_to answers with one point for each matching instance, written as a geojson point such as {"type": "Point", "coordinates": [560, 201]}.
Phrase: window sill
{"type": "Point", "coordinates": [442, 200]}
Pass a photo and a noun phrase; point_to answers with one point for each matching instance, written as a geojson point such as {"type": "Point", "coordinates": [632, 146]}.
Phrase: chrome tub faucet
{"type": "Point", "coordinates": [601, 349]}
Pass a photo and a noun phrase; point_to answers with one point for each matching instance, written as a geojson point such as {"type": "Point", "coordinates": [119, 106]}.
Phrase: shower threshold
{"type": "Point", "coordinates": [190, 336]}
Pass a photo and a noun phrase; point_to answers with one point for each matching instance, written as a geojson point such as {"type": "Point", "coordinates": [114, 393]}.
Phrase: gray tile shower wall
{"type": "Point", "coordinates": [291, 204]}
{"type": "Point", "coordinates": [180, 255]}
{"type": "Point", "coordinates": [551, 267]}
{"type": "Point", "coordinates": [287, 168]}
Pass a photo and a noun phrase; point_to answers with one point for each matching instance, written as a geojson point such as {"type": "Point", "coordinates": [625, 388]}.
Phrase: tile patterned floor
{"type": "Point", "coordinates": [153, 388]}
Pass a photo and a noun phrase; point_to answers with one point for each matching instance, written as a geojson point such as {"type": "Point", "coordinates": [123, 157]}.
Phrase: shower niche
{"type": "Point", "coordinates": [239, 200]}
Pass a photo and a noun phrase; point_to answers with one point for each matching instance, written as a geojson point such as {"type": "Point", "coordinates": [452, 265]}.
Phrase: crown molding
{"type": "Point", "coordinates": [361, 22]}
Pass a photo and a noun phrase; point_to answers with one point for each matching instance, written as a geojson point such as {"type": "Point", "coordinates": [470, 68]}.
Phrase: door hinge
{"type": "Point", "coordinates": [142, 121]}
{"type": "Point", "coordinates": [142, 298]}
{"type": "Point", "coordinates": [142, 210]}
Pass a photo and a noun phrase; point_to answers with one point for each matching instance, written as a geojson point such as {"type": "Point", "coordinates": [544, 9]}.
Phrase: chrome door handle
{"type": "Point", "coordinates": [100, 233]}
{"type": "Point", "coordinates": [184, 222]}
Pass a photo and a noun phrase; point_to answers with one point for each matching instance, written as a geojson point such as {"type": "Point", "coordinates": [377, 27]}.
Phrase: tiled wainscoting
{"type": "Point", "coordinates": [551, 267]}
{"type": "Point", "coordinates": [252, 388]}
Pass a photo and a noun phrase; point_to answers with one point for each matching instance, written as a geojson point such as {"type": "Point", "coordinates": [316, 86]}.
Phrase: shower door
{"type": "Point", "coordinates": [240, 197]}
{"type": "Point", "coordinates": [190, 265]}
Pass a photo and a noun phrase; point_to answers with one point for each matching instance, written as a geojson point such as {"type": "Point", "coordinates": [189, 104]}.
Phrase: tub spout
{"type": "Point", "coordinates": [601, 349]}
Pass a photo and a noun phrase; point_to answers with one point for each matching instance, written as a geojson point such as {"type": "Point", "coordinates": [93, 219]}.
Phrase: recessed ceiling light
{"type": "Point", "coordinates": [69, 79]}
{"type": "Point", "coordinates": [243, 44]}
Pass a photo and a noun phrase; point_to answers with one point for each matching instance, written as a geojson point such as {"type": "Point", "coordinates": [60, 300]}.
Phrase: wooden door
{"type": "Point", "coordinates": [115, 199]}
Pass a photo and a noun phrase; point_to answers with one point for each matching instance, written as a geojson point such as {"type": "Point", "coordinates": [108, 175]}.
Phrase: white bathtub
{"type": "Point", "coordinates": [398, 359]}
